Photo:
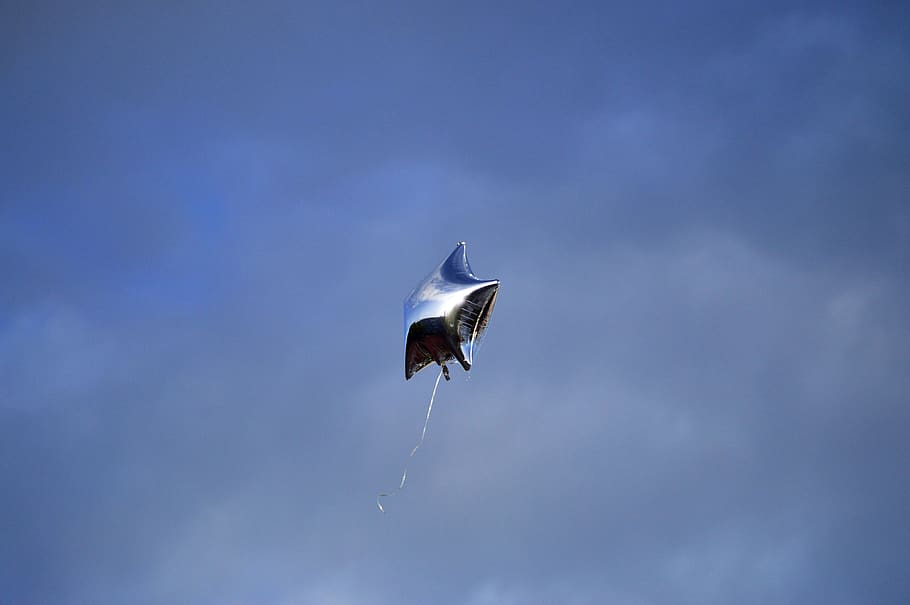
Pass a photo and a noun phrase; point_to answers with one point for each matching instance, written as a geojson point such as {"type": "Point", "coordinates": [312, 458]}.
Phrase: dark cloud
{"type": "Point", "coordinates": [693, 387]}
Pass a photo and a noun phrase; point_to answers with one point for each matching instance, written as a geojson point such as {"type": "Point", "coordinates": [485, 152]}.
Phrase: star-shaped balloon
{"type": "Point", "coordinates": [446, 314]}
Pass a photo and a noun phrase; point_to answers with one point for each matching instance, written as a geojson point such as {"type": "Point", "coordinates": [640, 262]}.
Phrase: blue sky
{"type": "Point", "coordinates": [694, 387]}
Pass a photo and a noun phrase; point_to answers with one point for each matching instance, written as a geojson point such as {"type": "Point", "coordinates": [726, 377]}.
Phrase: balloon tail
{"type": "Point", "coordinates": [423, 434]}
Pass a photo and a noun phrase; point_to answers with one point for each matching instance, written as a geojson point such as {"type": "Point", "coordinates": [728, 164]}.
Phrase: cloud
{"type": "Point", "coordinates": [691, 389]}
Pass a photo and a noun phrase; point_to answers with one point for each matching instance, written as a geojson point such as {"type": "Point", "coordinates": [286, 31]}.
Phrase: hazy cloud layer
{"type": "Point", "coordinates": [694, 388]}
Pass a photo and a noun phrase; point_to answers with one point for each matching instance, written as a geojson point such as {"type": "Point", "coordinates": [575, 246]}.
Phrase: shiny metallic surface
{"type": "Point", "coordinates": [446, 314]}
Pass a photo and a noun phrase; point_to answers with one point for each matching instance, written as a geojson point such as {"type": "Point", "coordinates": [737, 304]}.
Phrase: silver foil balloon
{"type": "Point", "coordinates": [446, 314]}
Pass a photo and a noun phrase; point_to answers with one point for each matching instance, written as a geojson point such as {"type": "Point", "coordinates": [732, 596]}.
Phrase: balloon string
{"type": "Point", "coordinates": [423, 433]}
